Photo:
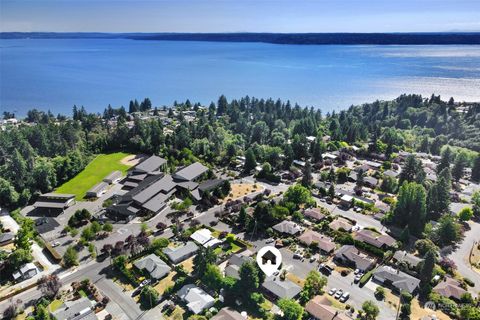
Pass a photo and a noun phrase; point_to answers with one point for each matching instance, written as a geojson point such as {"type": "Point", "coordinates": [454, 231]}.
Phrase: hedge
{"type": "Point", "coordinates": [364, 279]}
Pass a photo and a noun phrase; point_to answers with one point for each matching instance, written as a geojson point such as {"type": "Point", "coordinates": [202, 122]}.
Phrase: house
{"type": "Point", "coordinates": [370, 182]}
{"type": "Point", "coordinates": [408, 258]}
{"type": "Point", "coordinates": [450, 288]}
{"type": "Point", "coordinates": [320, 308]}
{"type": "Point", "coordinates": [374, 238]}
{"type": "Point", "coordinates": [324, 243]}
{"type": "Point", "coordinates": [196, 299]}
{"type": "Point", "coordinates": [288, 227]}
{"type": "Point", "coordinates": [228, 314]}
{"type": "Point", "coordinates": [329, 156]}
{"type": "Point", "coordinates": [234, 263]}
{"type": "Point", "coordinates": [346, 201]}
{"type": "Point", "coordinates": [205, 238]}
{"type": "Point", "coordinates": [153, 265]}
{"type": "Point", "coordinates": [81, 309]}
{"type": "Point", "coordinates": [281, 289]}
{"type": "Point", "coordinates": [151, 164]}
{"type": "Point", "coordinates": [373, 165]}
{"type": "Point", "coordinates": [97, 190]}
{"type": "Point", "coordinates": [341, 223]}
{"type": "Point", "coordinates": [179, 254]}
{"type": "Point", "coordinates": [54, 203]}
{"type": "Point", "coordinates": [390, 173]}
{"type": "Point", "coordinates": [6, 238]}
{"type": "Point", "coordinates": [350, 255]}
{"type": "Point", "coordinates": [25, 272]}
{"type": "Point", "coordinates": [314, 214]}
{"type": "Point", "coordinates": [398, 280]}
{"type": "Point", "coordinates": [113, 177]}
{"type": "Point", "coordinates": [299, 163]}
{"type": "Point", "coordinates": [191, 172]}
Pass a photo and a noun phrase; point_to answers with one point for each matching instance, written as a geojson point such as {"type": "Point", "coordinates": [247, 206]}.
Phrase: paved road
{"type": "Point", "coordinates": [96, 272]}
{"type": "Point", "coordinates": [363, 220]}
{"type": "Point", "coordinates": [461, 255]}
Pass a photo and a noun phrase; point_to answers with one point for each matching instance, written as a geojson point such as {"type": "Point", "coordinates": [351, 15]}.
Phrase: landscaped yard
{"type": "Point", "coordinates": [94, 173]}
{"type": "Point", "coordinates": [165, 283]}
{"type": "Point", "coordinates": [240, 190]}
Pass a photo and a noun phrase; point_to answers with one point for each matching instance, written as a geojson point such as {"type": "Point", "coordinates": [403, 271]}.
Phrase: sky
{"type": "Point", "coordinates": [240, 16]}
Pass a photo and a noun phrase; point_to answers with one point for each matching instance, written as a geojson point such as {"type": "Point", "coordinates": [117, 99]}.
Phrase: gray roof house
{"type": "Point", "coordinates": [314, 214]}
{"type": "Point", "coordinates": [54, 202]}
{"type": "Point", "coordinates": [80, 309]}
{"type": "Point", "coordinates": [281, 289]}
{"type": "Point", "coordinates": [234, 263]}
{"type": "Point", "coordinates": [324, 243]}
{"type": "Point", "coordinates": [97, 190]}
{"type": "Point", "coordinates": [288, 227]}
{"type": "Point", "coordinates": [153, 265]}
{"type": "Point", "coordinates": [6, 238]}
{"type": "Point", "coordinates": [179, 254]}
{"type": "Point", "coordinates": [153, 163]}
{"type": "Point", "coordinates": [348, 254]}
{"type": "Point", "coordinates": [25, 272]}
{"type": "Point", "coordinates": [228, 314]}
{"type": "Point", "coordinates": [191, 172]}
{"type": "Point", "coordinates": [410, 259]}
{"type": "Point", "coordinates": [399, 280]}
{"type": "Point", "coordinates": [196, 299]}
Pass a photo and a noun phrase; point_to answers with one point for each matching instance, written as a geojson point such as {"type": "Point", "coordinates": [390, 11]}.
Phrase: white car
{"type": "Point", "coordinates": [338, 294]}
{"type": "Point", "coordinates": [270, 240]}
{"type": "Point", "coordinates": [55, 244]}
{"type": "Point", "coordinates": [357, 271]}
{"type": "Point", "coordinates": [345, 297]}
{"type": "Point", "coordinates": [332, 291]}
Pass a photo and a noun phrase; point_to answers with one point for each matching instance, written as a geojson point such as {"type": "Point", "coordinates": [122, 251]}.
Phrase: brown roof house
{"type": "Point", "coordinates": [228, 314]}
{"type": "Point", "coordinates": [449, 288]}
{"type": "Point", "coordinates": [324, 243]}
{"type": "Point", "coordinates": [350, 255]}
{"type": "Point", "coordinates": [375, 239]}
{"type": "Point", "coordinates": [314, 214]}
{"type": "Point", "coordinates": [341, 223]}
{"type": "Point", "coordinates": [320, 308]}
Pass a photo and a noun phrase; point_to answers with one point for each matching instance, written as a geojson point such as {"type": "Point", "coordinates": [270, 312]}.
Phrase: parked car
{"type": "Point", "coordinates": [345, 297]}
{"type": "Point", "coordinates": [357, 278]}
{"type": "Point", "coordinates": [357, 271]}
{"type": "Point", "coordinates": [332, 291]}
{"type": "Point", "coordinates": [55, 244]}
{"type": "Point", "coordinates": [313, 259]}
{"type": "Point", "coordinates": [338, 294]}
{"type": "Point", "coordinates": [145, 283]}
{"type": "Point", "coordinates": [297, 256]}
{"type": "Point", "coordinates": [326, 269]}
{"type": "Point", "coordinates": [270, 240]}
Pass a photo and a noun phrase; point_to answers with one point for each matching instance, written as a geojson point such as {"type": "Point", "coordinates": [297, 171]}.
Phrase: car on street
{"type": "Point", "coordinates": [332, 291]}
{"type": "Point", "coordinates": [357, 271]}
{"type": "Point", "coordinates": [313, 259]}
{"type": "Point", "coordinates": [345, 297]}
{"type": "Point", "coordinates": [338, 294]}
{"type": "Point", "coordinates": [297, 256]}
{"type": "Point", "coordinates": [357, 278]}
{"type": "Point", "coordinates": [270, 240]}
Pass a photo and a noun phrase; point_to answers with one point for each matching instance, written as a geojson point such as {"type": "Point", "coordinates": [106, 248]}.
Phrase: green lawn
{"type": "Point", "coordinates": [94, 173]}
{"type": "Point", "coordinates": [55, 305]}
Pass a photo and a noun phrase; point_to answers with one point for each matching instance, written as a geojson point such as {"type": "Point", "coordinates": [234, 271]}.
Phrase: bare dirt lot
{"type": "Point", "coordinates": [240, 190]}
{"type": "Point", "coordinates": [133, 159]}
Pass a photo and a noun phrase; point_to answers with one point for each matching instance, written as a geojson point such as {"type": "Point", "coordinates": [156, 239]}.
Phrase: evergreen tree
{"type": "Point", "coordinates": [250, 161]}
{"type": "Point", "coordinates": [461, 161]}
{"type": "Point", "coordinates": [307, 175]}
{"type": "Point", "coordinates": [446, 160]}
{"type": "Point", "coordinates": [412, 171]}
{"type": "Point", "coordinates": [410, 208]}
{"type": "Point", "coordinates": [438, 200]}
{"type": "Point", "coordinates": [476, 169]}
{"type": "Point", "coordinates": [426, 273]}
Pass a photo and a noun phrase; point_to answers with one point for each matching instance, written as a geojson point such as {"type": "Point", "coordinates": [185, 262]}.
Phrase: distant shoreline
{"type": "Point", "coordinates": [443, 38]}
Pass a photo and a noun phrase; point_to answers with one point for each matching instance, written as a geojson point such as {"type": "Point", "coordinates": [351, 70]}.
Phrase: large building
{"type": "Point", "coordinates": [150, 189]}
{"type": "Point", "coordinates": [53, 203]}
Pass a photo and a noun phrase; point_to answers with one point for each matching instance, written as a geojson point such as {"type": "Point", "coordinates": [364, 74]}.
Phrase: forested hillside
{"type": "Point", "coordinates": [45, 151]}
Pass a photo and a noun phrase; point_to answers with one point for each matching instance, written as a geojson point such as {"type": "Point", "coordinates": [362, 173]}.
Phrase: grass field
{"type": "Point", "coordinates": [94, 173]}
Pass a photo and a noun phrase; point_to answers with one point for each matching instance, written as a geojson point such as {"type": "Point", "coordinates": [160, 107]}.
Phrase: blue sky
{"type": "Point", "coordinates": [240, 15]}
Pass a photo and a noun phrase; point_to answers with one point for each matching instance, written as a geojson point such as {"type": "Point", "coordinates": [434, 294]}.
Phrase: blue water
{"type": "Point", "coordinates": [56, 74]}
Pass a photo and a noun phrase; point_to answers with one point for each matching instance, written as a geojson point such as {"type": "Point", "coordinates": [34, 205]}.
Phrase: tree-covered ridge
{"type": "Point", "coordinates": [442, 122]}
{"type": "Point", "coordinates": [45, 151]}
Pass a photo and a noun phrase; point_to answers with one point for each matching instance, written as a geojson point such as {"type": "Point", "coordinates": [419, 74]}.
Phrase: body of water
{"type": "Point", "coordinates": [55, 74]}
